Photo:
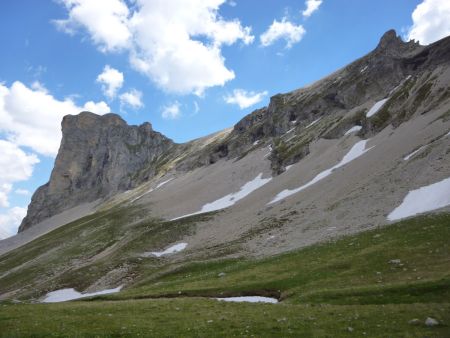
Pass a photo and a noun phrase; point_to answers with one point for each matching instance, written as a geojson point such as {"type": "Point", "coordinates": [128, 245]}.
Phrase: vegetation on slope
{"type": "Point", "coordinates": [370, 284]}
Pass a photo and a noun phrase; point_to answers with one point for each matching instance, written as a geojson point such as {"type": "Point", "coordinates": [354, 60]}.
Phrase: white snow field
{"type": "Point", "coordinates": [427, 198]}
{"type": "Point", "coordinates": [353, 130]}
{"type": "Point", "coordinates": [376, 107]}
{"type": "Point", "coordinates": [71, 294]}
{"type": "Point", "coordinates": [232, 198]}
{"type": "Point", "coordinates": [356, 151]}
{"type": "Point", "coordinates": [249, 299]}
{"type": "Point", "coordinates": [407, 157]}
{"type": "Point", "coordinates": [171, 250]}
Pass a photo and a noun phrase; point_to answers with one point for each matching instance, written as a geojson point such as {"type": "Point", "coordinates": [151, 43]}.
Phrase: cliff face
{"type": "Point", "coordinates": [98, 156]}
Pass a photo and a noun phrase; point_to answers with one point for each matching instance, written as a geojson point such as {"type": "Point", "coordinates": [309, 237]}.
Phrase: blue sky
{"type": "Point", "coordinates": [189, 67]}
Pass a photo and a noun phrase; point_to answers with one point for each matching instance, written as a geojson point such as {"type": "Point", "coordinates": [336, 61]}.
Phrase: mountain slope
{"type": "Point", "coordinates": [318, 163]}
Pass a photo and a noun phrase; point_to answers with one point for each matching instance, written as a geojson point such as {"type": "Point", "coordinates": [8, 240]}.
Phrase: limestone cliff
{"type": "Point", "coordinates": [98, 156]}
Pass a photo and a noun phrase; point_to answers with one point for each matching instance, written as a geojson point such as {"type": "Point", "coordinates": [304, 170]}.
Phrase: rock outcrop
{"type": "Point", "coordinates": [98, 156]}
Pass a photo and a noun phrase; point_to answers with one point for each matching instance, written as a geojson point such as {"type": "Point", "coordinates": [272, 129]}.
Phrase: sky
{"type": "Point", "coordinates": [189, 67]}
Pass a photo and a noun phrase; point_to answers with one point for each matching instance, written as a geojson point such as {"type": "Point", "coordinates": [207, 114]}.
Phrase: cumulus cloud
{"type": "Point", "coordinates": [244, 99]}
{"type": "Point", "coordinates": [132, 98]}
{"type": "Point", "coordinates": [15, 166]}
{"type": "Point", "coordinates": [177, 43]}
{"type": "Point", "coordinates": [431, 21]}
{"type": "Point", "coordinates": [10, 221]}
{"type": "Point", "coordinates": [106, 22]}
{"type": "Point", "coordinates": [23, 192]}
{"type": "Point", "coordinates": [311, 7]}
{"type": "Point", "coordinates": [111, 80]}
{"type": "Point", "coordinates": [172, 111]}
{"type": "Point", "coordinates": [283, 29]}
{"type": "Point", "coordinates": [32, 117]}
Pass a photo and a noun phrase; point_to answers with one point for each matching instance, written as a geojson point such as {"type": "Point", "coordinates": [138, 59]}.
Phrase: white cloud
{"type": "Point", "coordinates": [32, 117]}
{"type": "Point", "coordinates": [244, 99]}
{"type": "Point", "coordinates": [10, 221]}
{"type": "Point", "coordinates": [99, 108]}
{"type": "Point", "coordinates": [196, 108]}
{"type": "Point", "coordinates": [15, 166]}
{"type": "Point", "coordinates": [311, 7]}
{"type": "Point", "coordinates": [283, 29]}
{"type": "Point", "coordinates": [23, 192]}
{"type": "Point", "coordinates": [5, 189]}
{"type": "Point", "coordinates": [111, 80]}
{"type": "Point", "coordinates": [431, 21]}
{"type": "Point", "coordinates": [106, 22]}
{"type": "Point", "coordinates": [132, 98]}
{"type": "Point", "coordinates": [175, 43]}
{"type": "Point", "coordinates": [172, 111]}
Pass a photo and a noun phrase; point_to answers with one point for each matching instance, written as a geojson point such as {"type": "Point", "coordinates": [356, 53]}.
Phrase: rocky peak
{"type": "Point", "coordinates": [389, 40]}
{"type": "Point", "coordinates": [98, 156]}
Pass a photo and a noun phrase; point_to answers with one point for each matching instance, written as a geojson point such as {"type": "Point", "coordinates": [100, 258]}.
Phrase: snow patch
{"type": "Point", "coordinates": [162, 183]}
{"type": "Point", "coordinates": [427, 198]}
{"type": "Point", "coordinates": [289, 167]}
{"type": "Point", "coordinates": [249, 299]}
{"type": "Point", "coordinates": [71, 294]}
{"type": "Point", "coordinates": [407, 157]}
{"type": "Point", "coordinates": [353, 129]}
{"type": "Point", "coordinates": [256, 143]}
{"type": "Point", "coordinates": [313, 123]}
{"type": "Point", "coordinates": [232, 198]}
{"type": "Point", "coordinates": [356, 151]}
{"type": "Point", "coordinates": [151, 190]}
{"type": "Point", "coordinates": [289, 131]}
{"type": "Point", "coordinates": [364, 69]}
{"type": "Point", "coordinates": [173, 249]}
{"type": "Point", "coordinates": [376, 107]}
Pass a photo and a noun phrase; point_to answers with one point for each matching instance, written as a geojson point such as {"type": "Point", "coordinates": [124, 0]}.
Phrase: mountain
{"type": "Point", "coordinates": [297, 201]}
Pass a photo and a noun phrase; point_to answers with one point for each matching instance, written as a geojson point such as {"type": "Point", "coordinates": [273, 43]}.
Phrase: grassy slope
{"type": "Point", "coordinates": [325, 289]}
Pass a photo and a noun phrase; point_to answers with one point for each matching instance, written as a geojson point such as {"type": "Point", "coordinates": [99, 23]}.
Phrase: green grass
{"type": "Point", "coordinates": [208, 318]}
{"type": "Point", "coordinates": [324, 289]}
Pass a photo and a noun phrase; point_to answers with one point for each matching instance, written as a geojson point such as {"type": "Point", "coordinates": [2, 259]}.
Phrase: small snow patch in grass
{"type": "Point", "coordinates": [376, 107]}
{"type": "Point", "coordinates": [407, 157]}
{"type": "Point", "coordinates": [71, 294]}
{"type": "Point", "coordinates": [173, 249]}
{"type": "Point", "coordinates": [427, 198]}
{"type": "Point", "coordinates": [232, 198]}
{"type": "Point", "coordinates": [249, 299]}
{"type": "Point", "coordinates": [353, 129]}
{"type": "Point", "coordinates": [356, 151]}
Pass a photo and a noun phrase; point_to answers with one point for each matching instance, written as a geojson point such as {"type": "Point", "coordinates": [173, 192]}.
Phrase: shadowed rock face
{"type": "Point", "coordinates": [98, 156]}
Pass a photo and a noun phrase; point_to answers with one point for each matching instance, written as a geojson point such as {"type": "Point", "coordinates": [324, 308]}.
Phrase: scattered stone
{"type": "Point", "coordinates": [414, 321]}
{"type": "Point", "coordinates": [350, 329]}
{"type": "Point", "coordinates": [377, 236]}
{"type": "Point", "coordinates": [431, 322]}
{"type": "Point", "coordinates": [222, 274]}
{"type": "Point", "coordinates": [395, 261]}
